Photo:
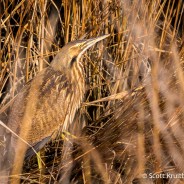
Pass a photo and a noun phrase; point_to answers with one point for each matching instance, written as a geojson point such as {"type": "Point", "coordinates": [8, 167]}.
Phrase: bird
{"type": "Point", "coordinates": [50, 100]}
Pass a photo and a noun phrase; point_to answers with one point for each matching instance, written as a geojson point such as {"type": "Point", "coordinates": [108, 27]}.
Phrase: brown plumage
{"type": "Point", "coordinates": [48, 102]}
{"type": "Point", "coordinates": [51, 99]}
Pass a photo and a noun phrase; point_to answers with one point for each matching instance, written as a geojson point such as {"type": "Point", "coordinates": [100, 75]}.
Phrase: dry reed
{"type": "Point", "coordinates": [130, 128]}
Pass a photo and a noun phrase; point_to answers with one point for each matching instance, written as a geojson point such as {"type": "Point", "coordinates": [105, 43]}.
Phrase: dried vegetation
{"type": "Point", "coordinates": [132, 120]}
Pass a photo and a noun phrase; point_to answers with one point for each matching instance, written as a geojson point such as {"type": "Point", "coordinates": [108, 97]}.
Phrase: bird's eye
{"type": "Point", "coordinates": [81, 45]}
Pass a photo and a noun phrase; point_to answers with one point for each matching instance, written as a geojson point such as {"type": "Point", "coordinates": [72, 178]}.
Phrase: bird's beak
{"type": "Point", "coordinates": [90, 42]}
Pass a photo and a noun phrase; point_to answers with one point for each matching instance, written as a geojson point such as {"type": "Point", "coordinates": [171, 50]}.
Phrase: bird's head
{"type": "Point", "coordinates": [73, 51]}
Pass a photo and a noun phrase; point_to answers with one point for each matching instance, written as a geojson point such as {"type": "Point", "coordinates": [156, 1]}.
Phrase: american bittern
{"type": "Point", "coordinates": [50, 100]}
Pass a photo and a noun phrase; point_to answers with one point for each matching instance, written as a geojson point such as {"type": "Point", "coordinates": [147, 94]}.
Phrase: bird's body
{"type": "Point", "coordinates": [47, 103]}
{"type": "Point", "coordinates": [50, 100]}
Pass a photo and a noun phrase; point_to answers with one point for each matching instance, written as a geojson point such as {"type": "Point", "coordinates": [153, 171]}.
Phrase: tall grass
{"type": "Point", "coordinates": [130, 125]}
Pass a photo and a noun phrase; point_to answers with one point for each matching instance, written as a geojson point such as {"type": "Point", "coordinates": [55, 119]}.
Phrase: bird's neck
{"type": "Point", "coordinates": [77, 73]}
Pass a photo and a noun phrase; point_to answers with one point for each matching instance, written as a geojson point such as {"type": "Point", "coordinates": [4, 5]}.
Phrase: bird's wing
{"type": "Point", "coordinates": [44, 104]}
{"type": "Point", "coordinates": [52, 106]}
{"type": "Point", "coordinates": [41, 107]}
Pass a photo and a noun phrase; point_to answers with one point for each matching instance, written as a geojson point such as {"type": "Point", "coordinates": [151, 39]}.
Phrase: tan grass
{"type": "Point", "coordinates": [131, 121]}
